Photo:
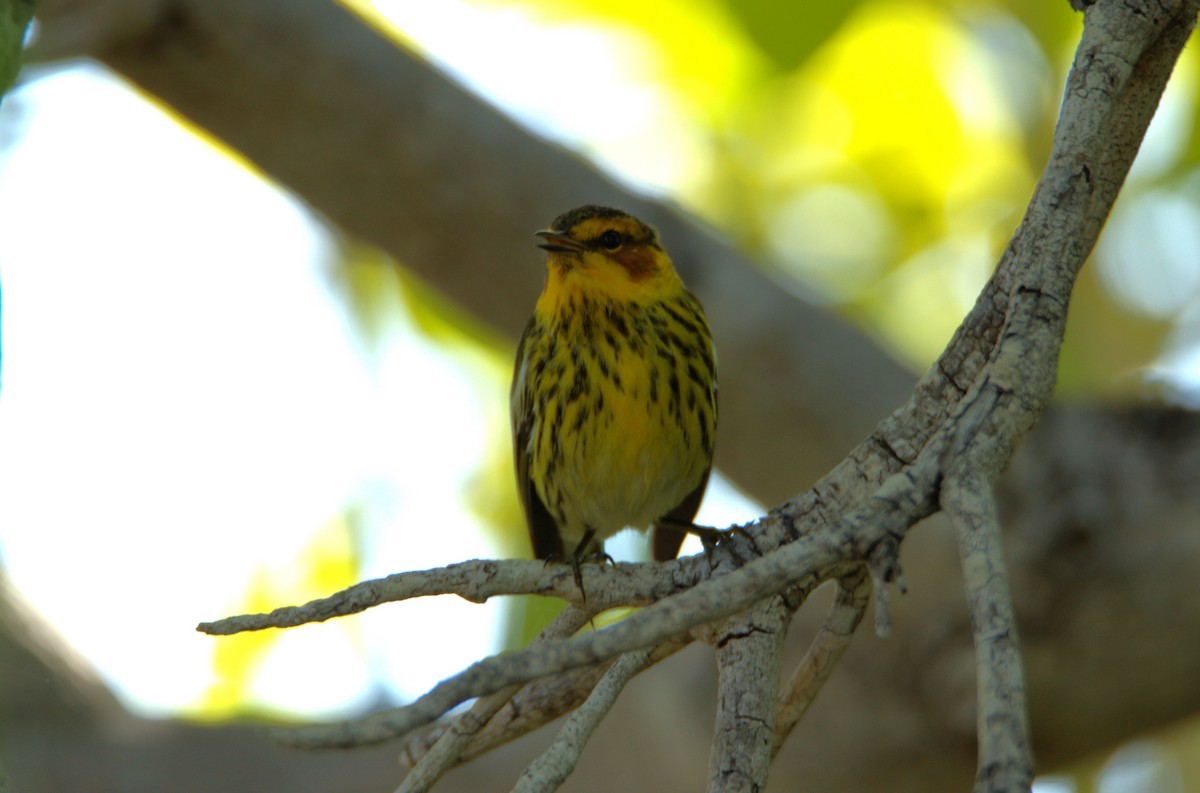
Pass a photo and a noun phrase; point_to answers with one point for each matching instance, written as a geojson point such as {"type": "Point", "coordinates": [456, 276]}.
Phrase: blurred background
{"type": "Point", "coordinates": [214, 401]}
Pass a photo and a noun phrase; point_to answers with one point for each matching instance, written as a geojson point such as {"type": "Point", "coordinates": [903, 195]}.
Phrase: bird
{"type": "Point", "coordinates": [614, 393]}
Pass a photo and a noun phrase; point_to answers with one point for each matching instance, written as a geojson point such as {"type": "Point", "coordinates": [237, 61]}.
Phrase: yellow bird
{"type": "Point", "coordinates": [614, 393]}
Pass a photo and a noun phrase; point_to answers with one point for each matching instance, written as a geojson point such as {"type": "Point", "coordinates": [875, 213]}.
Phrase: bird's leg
{"type": "Point", "coordinates": [582, 554]}
{"type": "Point", "coordinates": [711, 537]}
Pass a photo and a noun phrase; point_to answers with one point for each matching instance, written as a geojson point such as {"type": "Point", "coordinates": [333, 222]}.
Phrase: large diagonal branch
{"type": "Point", "coordinates": [381, 143]}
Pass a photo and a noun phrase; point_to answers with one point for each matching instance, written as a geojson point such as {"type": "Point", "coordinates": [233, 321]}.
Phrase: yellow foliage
{"type": "Point", "coordinates": [690, 47]}
{"type": "Point", "coordinates": [328, 563]}
{"type": "Point", "coordinates": [885, 173]}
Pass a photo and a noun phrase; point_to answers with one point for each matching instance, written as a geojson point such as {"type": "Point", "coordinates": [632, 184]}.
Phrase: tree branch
{"type": "Point", "coordinates": [1005, 761]}
{"type": "Point", "coordinates": [536, 705]}
{"type": "Point", "coordinates": [831, 641]}
{"type": "Point", "coordinates": [624, 584]}
{"type": "Point", "coordinates": [556, 763]}
{"type": "Point", "coordinates": [749, 651]}
{"type": "Point", "coordinates": [869, 535]}
{"type": "Point", "coordinates": [449, 747]}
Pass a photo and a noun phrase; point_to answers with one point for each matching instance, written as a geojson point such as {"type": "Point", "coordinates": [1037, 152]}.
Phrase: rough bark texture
{"type": "Point", "coordinates": [749, 653]}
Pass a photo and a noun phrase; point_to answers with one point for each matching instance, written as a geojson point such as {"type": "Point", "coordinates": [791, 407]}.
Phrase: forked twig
{"type": "Point", "coordinates": [538, 703]}
{"type": "Point", "coordinates": [553, 767]}
{"type": "Point", "coordinates": [448, 748]}
{"type": "Point", "coordinates": [832, 639]}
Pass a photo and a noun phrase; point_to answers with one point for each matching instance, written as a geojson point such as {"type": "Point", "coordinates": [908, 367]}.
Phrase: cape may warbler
{"type": "Point", "coordinates": [614, 394]}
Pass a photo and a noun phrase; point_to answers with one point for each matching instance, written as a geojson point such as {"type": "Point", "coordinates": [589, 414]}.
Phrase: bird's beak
{"type": "Point", "coordinates": [556, 242]}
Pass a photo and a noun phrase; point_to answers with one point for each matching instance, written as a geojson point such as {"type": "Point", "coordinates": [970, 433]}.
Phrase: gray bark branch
{"type": "Point", "coordinates": [445, 752]}
{"type": "Point", "coordinates": [749, 649]}
{"type": "Point", "coordinates": [1002, 723]}
{"type": "Point", "coordinates": [551, 769]}
{"type": "Point", "coordinates": [827, 648]}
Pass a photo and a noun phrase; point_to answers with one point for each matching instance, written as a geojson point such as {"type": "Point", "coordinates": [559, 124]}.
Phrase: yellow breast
{"type": "Point", "coordinates": [628, 431]}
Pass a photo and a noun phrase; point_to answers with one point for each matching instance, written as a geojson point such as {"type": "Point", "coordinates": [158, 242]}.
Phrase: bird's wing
{"type": "Point", "coordinates": [543, 530]}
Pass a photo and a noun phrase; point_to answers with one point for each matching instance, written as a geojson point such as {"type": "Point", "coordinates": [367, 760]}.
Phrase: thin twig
{"type": "Point", "coordinates": [831, 641]}
{"type": "Point", "coordinates": [1005, 761]}
{"type": "Point", "coordinates": [445, 753]}
{"type": "Point", "coordinates": [872, 529]}
{"type": "Point", "coordinates": [625, 584]}
{"type": "Point", "coordinates": [537, 704]}
{"type": "Point", "coordinates": [552, 768]}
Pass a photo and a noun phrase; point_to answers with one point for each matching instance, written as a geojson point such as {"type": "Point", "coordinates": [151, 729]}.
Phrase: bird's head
{"type": "Point", "coordinates": [608, 250]}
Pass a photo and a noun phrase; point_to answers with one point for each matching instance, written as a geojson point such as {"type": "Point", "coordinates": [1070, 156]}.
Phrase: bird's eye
{"type": "Point", "coordinates": [611, 240]}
